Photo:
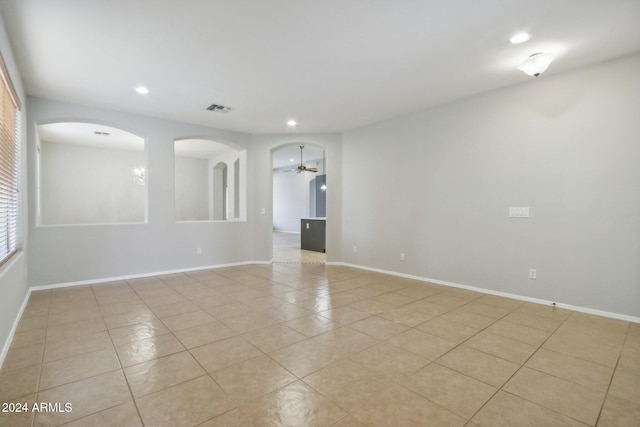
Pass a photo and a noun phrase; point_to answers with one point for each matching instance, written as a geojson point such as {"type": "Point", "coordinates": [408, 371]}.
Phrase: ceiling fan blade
{"type": "Point", "coordinates": [314, 170]}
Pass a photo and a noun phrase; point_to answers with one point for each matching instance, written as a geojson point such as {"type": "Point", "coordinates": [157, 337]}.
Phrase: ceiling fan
{"type": "Point", "coordinates": [302, 167]}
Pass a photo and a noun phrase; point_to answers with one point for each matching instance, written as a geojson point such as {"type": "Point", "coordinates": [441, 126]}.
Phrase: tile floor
{"type": "Point", "coordinates": [286, 248]}
{"type": "Point", "coordinates": [313, 345]}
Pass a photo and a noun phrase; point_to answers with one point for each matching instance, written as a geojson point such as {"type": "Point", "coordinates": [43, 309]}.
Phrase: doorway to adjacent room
{"type": "Point", "coordinates": [299, 195]}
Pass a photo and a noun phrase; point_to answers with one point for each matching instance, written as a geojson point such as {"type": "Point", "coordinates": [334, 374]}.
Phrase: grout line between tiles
{"type": "Point", "coordinates": [113, 345]}
{"type": "Point", "coordinates": [44, 349]}
{"type": "Point", "coordinates": [518, 370]}
{"type": "Point", "coordinates": [613, 374]}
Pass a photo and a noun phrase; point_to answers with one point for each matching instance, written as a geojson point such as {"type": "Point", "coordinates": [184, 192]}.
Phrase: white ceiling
{"type": "Point", "coordinates": [332, 65]}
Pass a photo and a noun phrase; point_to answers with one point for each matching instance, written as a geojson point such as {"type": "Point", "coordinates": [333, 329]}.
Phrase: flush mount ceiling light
{"type": "Point", "coordinates": [536, 64]}
{"type": "Point", "coordinates": [291, 123]}
{"type": "Point", "coordinates": [520, 38]}
{"type": "Point", "coordinates": [142, 90]}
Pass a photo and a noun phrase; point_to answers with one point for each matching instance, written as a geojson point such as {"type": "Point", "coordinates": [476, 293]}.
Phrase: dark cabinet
{"type": "Point", "coordinates": [313, 234]}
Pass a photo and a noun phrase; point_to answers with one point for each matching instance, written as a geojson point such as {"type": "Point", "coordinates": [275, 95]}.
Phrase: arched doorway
{"type": "Point", "coordinates": [299, 203]}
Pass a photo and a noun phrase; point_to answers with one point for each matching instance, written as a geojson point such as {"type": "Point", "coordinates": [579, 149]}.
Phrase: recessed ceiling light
{"type": "Point", "coordinates": [520, 38]}
{"type": "Point", "coordinates": [291, 123]}
{"type": "Point", "coordinates": [142, 90]}
{"type": "Point", "coordinates": [291, 160]}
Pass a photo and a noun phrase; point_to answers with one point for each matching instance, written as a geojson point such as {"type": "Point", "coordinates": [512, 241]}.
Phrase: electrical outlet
{"type": "Point", "coordinates": [355, 249]}
{"type": "Point", "coordinates": [198, 251]}
{"type": "Point", "coordinates": [521, 212]}
{"type": "Point", "coordinates": [401, 256]}
{"type": "Point", "coordinates": [533, 274]}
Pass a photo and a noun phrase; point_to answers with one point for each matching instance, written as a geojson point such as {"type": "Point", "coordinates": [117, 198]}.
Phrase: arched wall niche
{"type": "Point", "coordinates": [210, 182]}
{"type": "Point", "coordinates": [89, 172]}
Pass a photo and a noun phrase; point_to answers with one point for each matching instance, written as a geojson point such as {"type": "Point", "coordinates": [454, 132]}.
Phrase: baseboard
{"type": "Point", "coordinates": [142, 275]}
{"type": "Point", "coordinates": [9, 340]}
{"type": "Point", "coordinates": [601, 313]}
{"type": "Point", "coordinates": [16, 322]}
{"type": "Point", "coordinates": [286, 231]}
{"type": "Point", "coordinates": [580, 309]}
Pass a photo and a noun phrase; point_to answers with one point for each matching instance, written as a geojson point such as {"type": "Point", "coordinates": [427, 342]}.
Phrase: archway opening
{"type": "Point", "coordinates": [299, 203]}
{"type": "Point", "coordinates": [89, 173]}
{"type": "Point", "coordinates": [209, 181]}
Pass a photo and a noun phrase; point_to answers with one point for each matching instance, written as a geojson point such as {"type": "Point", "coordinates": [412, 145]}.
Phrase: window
{"type": "Point", "coordinates": [9, 118]}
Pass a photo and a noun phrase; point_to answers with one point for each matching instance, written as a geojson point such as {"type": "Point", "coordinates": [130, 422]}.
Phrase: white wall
{"type": "Point", "coordinates": [63, 254]}
{"type": "Point", "coordinates": [13, 278]}
{"type": "Point", "coordinates": [236, 190]}
{"type": "Point", "coordinates": [437, 185]}
{"type": "Point", "coordinates": [192, 189]}
{"type": "Point", "coordinates": [89, 185]}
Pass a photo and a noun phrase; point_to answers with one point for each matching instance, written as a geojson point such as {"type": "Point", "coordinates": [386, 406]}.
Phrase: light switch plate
{"type": "Point", "coordinates": [519, 212]}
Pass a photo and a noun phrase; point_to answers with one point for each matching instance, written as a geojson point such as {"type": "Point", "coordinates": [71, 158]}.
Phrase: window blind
{"type": "Point", "coordinates": [9, 117]}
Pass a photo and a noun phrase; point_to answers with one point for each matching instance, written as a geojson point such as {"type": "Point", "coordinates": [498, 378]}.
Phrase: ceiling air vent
{"type": "Point", "coordinates": [218, 108]}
